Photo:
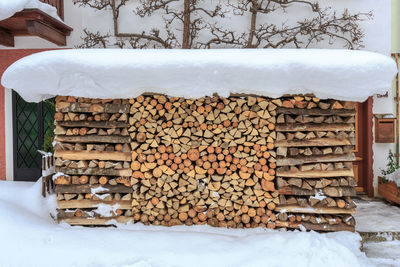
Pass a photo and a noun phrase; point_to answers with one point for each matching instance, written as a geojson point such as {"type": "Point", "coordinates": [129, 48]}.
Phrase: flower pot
{"type": "Point", "coordinates": [389, 191]}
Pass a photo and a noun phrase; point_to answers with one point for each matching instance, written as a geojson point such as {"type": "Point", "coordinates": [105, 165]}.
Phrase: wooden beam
{"type": "Point", "coordinates": [114, 139]}
{"type": "Point", "coordinates": [329, 191]}
{"type": "Point", "coordinates": [46, 31]}
{"type": "Point", "coordinates": [87, 204]}
{"type": "Point", "coordinates": [89, 155]}
{"type": "Point", "coordinates": [94, 124]}
{"type": "Point", "coordinates": [95, 171]}
{"type": "Point", "coordinates": [6, 38]}
{"type": "Point", "coordinates": [85, 189]}
{"type": "Point", "coordinates": [310, 127]}
{"type": "Point", "coordinates": [313, 142]}
{"type": "Point", "coordinates": [315, 173]}
{"type": "Point", "coordinates": [317, 112]}
{"type": "Point", "coordinates": [299, 160]}
{"type": "Point", "coordinates": [313, 210]}
{"type": "Point", "coordinates": [95, 221]}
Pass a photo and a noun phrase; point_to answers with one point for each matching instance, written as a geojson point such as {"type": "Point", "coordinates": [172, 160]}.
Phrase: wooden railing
{"type": "Point", "coordinates": [59, 4]}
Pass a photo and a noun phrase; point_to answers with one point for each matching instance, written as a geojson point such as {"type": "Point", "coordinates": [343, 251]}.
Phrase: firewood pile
{"type": "Point", "coordinates": [314, 146]}
{"type": "Point", "coordinates": [170, 161]}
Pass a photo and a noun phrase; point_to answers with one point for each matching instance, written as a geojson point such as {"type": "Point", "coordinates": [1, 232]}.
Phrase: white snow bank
{"type": "Point", "coordinates": [9, 7]}
{"type": "Point", "coordinates": [108, 73]}
{"type": "Point", "coordinates": [29, 233]}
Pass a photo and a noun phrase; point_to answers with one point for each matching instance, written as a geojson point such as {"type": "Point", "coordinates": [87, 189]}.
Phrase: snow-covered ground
{"type": "Point", "coordinates": [377, 216]}
{"type": "Point", "coordinates": [384, 254]}
{"type": "Point", "coordinates": [29, 237]}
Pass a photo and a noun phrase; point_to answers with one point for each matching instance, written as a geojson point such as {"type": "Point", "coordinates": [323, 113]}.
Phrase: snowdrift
{"type": "Point", "coordinates": [109, 73]}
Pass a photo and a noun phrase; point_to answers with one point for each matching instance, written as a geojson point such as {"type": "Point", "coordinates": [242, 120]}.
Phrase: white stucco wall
{"type": "Point", "coordinates": [377, 39]}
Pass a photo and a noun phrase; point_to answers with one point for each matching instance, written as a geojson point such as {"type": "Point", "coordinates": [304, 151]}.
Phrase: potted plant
{"type": "Point", "coordinates": [389, 182]}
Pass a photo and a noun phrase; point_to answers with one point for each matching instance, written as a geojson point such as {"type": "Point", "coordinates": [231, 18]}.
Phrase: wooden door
{"type": "Point", "coordinates": [363, 147]}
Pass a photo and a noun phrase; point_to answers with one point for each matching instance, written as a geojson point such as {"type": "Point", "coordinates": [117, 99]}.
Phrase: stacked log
{"type": "Point", "coordinates": [92, 158]}
{"type": "Point", "coordinates": [241, 161]}
{"type": "Point", "coordinates": [209, 160]}
{"type": "Point", "coordinates": [314, 147]}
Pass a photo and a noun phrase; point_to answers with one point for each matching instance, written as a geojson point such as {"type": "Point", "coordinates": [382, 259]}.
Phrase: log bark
{"type": "Point", "coordinates": [113, 139]}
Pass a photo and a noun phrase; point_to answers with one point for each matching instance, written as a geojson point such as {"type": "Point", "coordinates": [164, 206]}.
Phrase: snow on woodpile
{"type": "Point", "coordinates": [9, 7]}
{"type": "Point", "coordinates": [99, 73]}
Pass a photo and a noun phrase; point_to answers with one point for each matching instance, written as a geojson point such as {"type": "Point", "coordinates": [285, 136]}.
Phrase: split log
{"type": "Point", "coordinates": [95, 221]}
{"type": "Point", "coordinates": [313, 142]}
{"type": "Point", "coordinates": [313, 210]}
{"type": "Point", "coordinates": [85, 204]}
{"type": "Point", "coordinates": [92, 108]}
{"type": "Point", "coordinates": [87, 189]}
{"type": "Point", "coordinates": [295, 127]}
{"type": "Point", "coordinates": [328, 191]}
{"type": "Point", "coordinates": [93, 124]}
{"type": "Point", "coordinates": [299, 160]}
{"type": "Point", "coordinates": [93, 155]}
{"type": "Point", "coordinates": [95, 171]}
{"type": "Point", "coordinates": [317, 112]}
{"type": "Point", "coordinates": [315, 173]}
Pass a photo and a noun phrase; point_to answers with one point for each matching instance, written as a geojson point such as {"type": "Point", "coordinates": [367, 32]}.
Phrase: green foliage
{"type": "Point", "coordinates": [49, 133]}
{"type": "Point", "coordinates": [48, 138]}
{"type": "Point", "coordinates": [391, 166]}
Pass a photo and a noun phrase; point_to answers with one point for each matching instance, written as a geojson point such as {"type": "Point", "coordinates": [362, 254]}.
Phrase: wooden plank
{"type": "Point", "coordinates": [309, 127]}
{"type": "Point", "coordinates": [89, 108]}
{"type": "Point", "coordinates": [113, 139]}
{"type": "Point", "coordinates": [313, 142]}
{"type": "Point", "coordinates": [89, 155]}
{"type": "Point", "coordinates": [46, 31]}
{"type": "Point", "coordinates": [316, 227]}
{"type": "Point", "coordinates": [315, 173]}
{"type": "Point", "coordinates": [6, 38]}
{"type": "Point", "coordinates": [299, 160]}
{"type": "Point", "coordinates": [313, 210]}
{"type": "Point", "coordinates": [95, 171]}
{"type": "Point", "coordinates": [94, 124]}
{"type": "Point", "coordinates": [317, 112]}
{"type": "Point", "coordinates": [86, 189]}
{"type": "Point", "coordinates": [329, 191]}
{"type": "Point", "coordinates": [95, 221]}
{"type": "Point", "coordinates": [87, 204]}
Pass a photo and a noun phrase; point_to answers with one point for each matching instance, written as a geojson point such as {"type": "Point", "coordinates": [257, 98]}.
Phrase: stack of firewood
{"type": "Point", "coordinates": [209, 160]}
{"type": "Point", "coordinates": [93, 156]}
{"type": "Point", "coordinates": [169, 161]}
{"type": "Point", "coordinates": [315, 142]}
